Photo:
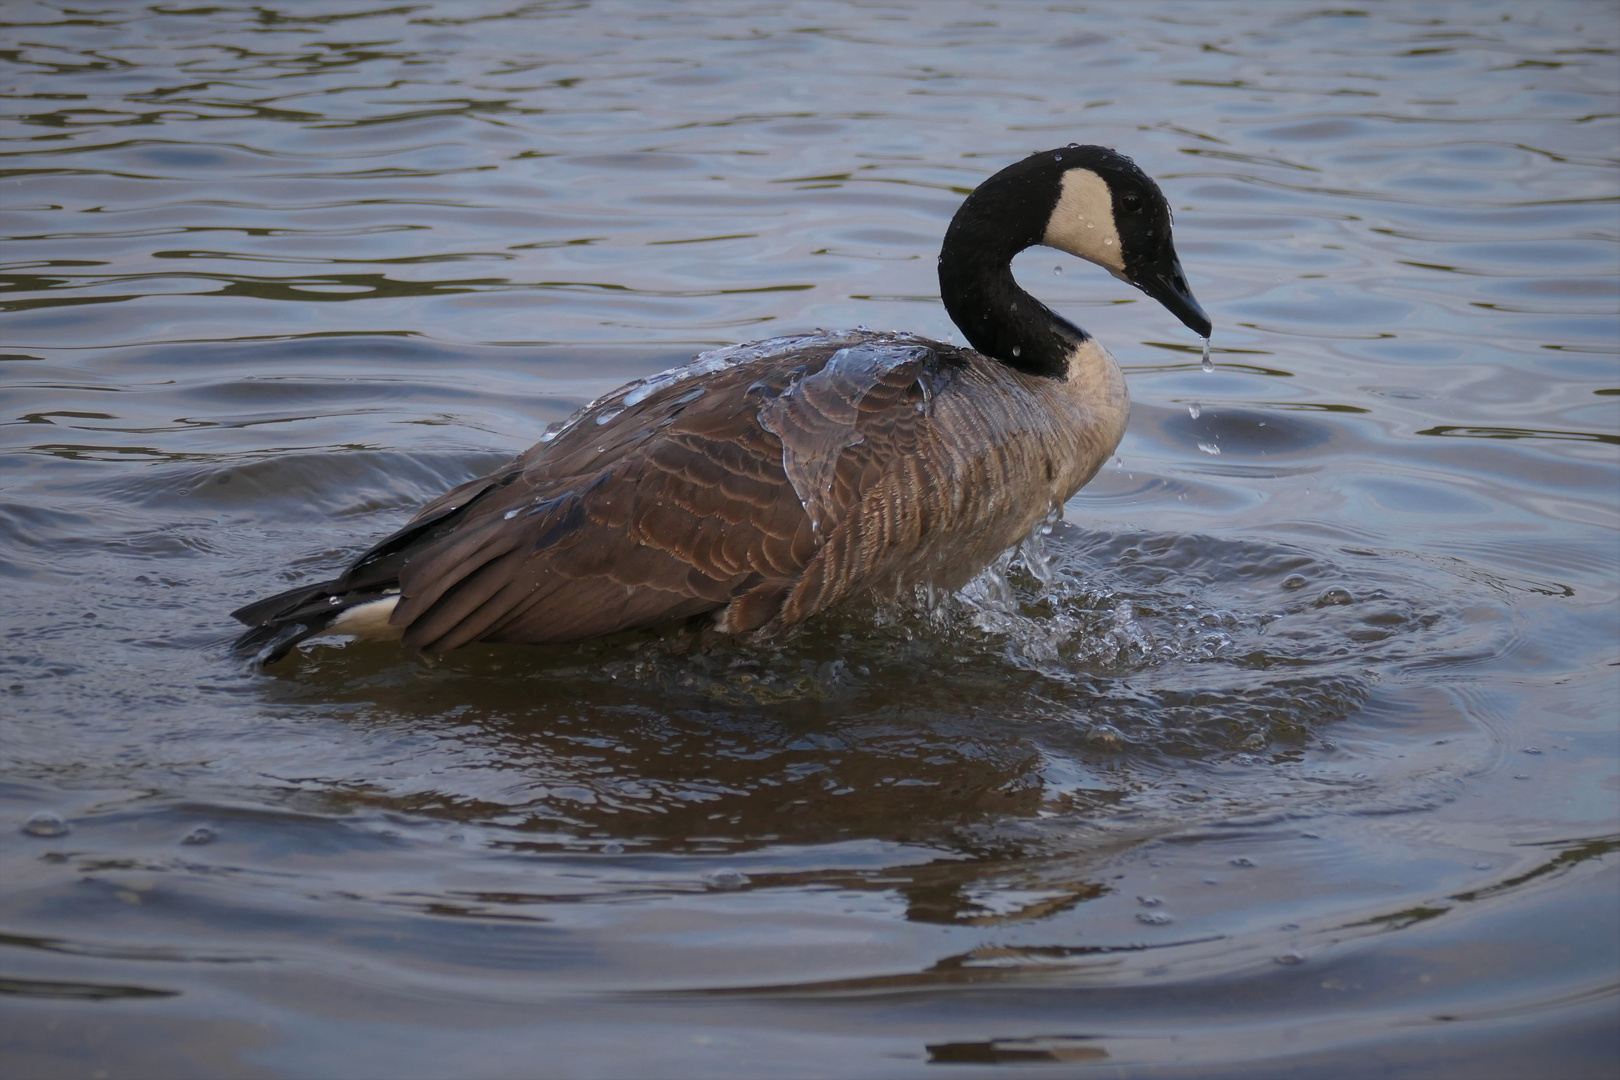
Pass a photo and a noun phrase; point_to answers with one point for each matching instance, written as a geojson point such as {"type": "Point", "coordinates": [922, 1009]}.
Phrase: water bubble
{"type": "Point", "coordinates": [47, 824]}
{"type": "Point", "coordinates": [1532, 749]}
{"type": "Point", "coordinates": [1290, 958]}
{"type": "Point", "coordinates": [725, 879]}
{"type": "Point", "coordinates": [1243, 861]}
{"type": "Point", "coordinates": [1193, 410]}
{"type": "Point", "coordinates": [1154, 918]}
{"type": "Point", "coordinates": [1150, 901]}
{"type": "Point", "coordinates": [1057, 271]}
{"type": "Point", "coordinates": [1335, 597]}
{"type": "Point", "coordinates": [202, 834]}
{"type": "Point", "coordinates": [1207, 364]}
{"type": "Point", "coordinates": [1293, 581]}
{"type": "Point", "coordinates": [613, 847]}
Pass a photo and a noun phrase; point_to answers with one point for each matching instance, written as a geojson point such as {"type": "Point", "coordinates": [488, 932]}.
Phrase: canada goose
{"type": "Point", "coordinates": [766, 482]}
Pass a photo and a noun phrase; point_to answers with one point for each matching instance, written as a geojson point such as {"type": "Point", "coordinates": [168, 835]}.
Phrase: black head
{"type": "Point", "coordinates": [1091, 202]}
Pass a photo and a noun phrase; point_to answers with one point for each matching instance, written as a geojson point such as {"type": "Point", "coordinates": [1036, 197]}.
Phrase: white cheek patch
{"type": "Point", "coordinates": [1083, 222]}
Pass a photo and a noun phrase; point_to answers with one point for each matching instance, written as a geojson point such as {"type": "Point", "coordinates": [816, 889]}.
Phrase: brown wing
{"type": "Point", "coordinates": [672, 498]}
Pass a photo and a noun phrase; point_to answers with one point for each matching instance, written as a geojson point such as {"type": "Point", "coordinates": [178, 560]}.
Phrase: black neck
{"type": "Point", "coordinates": [998, 317]}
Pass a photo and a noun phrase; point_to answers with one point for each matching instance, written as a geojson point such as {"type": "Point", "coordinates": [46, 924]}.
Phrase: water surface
{"type": "Point", "coordinates": [1293, 750]}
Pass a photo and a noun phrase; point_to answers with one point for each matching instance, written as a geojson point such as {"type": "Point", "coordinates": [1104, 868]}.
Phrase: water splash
{"type": "Point", "coordinates": [816, 416]}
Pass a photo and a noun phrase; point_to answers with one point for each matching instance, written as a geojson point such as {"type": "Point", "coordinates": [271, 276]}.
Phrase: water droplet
{"type": "Point", "coordinates": [1209, 448]}
{"type": "Point", "coordinates": [1017, 351]}
{"type": "Point", "coordinates": [1193, 410]}
{"type": "Point", "coordinates": [1206, 363]}
{"type": "Point", "coordinates": [46, 823]}
{"type": "Point", "coordinates": [1057, 271]}
{"type": "Point", "coordinates": [202, 834]}
{"type": "Point", "coordinates": [510, 514]}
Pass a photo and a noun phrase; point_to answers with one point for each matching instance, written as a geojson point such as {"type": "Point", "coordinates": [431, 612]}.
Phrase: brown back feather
{"type": "Point", "coordinates": [679, 502]}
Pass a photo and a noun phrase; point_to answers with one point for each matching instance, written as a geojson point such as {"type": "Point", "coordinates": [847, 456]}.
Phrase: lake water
{"type": "Point", "coordinates": [1304, 763]}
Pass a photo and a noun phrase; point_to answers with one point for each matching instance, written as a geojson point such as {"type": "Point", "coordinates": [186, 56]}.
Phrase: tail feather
{"type": "Point", "coordinates": [278, 623]}
{"type": "Point", "coordinates": [271, 642]}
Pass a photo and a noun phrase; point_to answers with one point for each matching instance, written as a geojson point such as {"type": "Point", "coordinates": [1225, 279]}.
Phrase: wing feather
{"type": "Point", "coordinates": [669, 499]}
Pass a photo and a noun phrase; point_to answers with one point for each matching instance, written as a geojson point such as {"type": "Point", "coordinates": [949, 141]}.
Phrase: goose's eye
{"type": "Point", "coordinates": [1132, 202]}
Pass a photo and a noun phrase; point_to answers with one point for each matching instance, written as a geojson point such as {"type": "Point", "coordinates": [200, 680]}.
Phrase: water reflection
{"type": "Point", "coordinates": [1061, 694]}
{"type": "Point", "coordinates": [1030, 1051]}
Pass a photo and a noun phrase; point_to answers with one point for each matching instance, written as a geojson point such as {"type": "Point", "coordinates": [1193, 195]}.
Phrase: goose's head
{"type": "Point", "coordinates": [1111, 213]}
{"type": "Point", "coordinates": [1090, 201]}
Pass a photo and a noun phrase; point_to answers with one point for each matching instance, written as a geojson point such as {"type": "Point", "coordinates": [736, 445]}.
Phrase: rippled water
{"type": "Point", "coordinates": [1291, 751]}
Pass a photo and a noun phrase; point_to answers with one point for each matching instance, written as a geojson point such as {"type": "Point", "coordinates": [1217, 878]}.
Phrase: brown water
{"type": "Point", "coordinates": [1302, 763]}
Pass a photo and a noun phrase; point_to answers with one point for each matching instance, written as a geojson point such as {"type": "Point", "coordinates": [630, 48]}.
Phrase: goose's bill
{"type": "Point", "coordinates": [1168, 285]}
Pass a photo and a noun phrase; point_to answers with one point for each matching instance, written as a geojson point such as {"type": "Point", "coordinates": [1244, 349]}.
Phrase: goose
{"type": "Point", "coordinates": [763, 483]}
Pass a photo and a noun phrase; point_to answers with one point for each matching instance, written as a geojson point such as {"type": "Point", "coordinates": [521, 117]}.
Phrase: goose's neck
{"type": "Point", "coordinates": [998, 317]}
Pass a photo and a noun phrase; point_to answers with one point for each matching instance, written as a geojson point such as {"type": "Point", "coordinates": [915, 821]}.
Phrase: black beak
{"type": "Point", "coordinates": [1165, 282]}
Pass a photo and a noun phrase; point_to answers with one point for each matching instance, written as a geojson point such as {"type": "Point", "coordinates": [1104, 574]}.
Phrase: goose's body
{"type": "Point", "coordinates": [767, 482]}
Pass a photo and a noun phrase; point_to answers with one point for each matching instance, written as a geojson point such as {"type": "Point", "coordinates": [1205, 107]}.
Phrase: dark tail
{"type": "Point", "coordinates": [278, 623]}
